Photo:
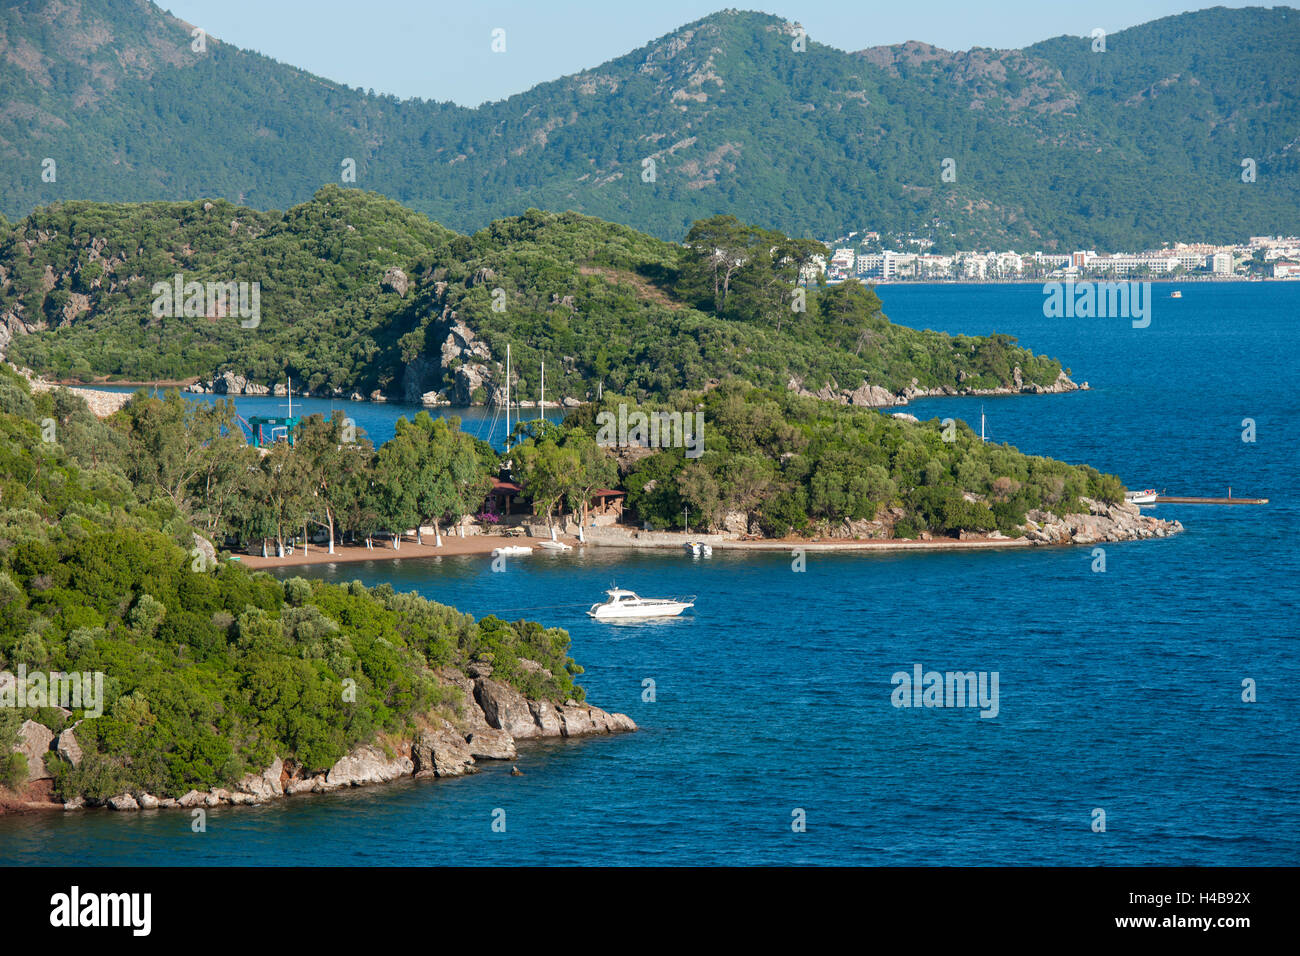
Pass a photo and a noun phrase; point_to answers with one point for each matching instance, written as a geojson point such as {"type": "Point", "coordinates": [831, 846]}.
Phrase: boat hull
{"type": "Point", "coordinates": [602, 612]}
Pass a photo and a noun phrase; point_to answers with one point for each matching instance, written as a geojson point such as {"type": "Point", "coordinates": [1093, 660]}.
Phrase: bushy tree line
{"type": "Point", "coordinates": [794, 464]}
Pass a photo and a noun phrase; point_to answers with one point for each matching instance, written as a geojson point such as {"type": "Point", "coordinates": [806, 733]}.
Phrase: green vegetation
{"type": "Point", "coordinates": [599, 303]}
{"type": "Point", "coordinates": [788, 464]}
{"type": "Point", "coordinates": [211, 671]}
{"type": "Point", "coordinates": [1055, 146]}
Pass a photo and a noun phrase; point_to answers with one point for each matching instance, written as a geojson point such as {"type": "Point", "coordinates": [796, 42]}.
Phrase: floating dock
{"type": "Point", "coordinates": [1178, 500]}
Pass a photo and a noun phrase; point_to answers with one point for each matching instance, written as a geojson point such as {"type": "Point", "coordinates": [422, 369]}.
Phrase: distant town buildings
{"type": "Point", "coordinates": [860, 256]}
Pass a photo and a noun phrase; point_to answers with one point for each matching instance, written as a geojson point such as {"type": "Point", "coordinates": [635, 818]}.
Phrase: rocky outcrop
{"type": "Point", "coordinates": [491, 717]}
{"type": "Point", "coordinates": [441, 752]}
{"type": "Point", "coordinates": [418, 376]}
{"type": "Point", "coordinates": [395, 280]}
{"type": "Point", "coordinates": [265, 785]}
{"type": "Point", "coordinates": [368, 764]}
{"type": "Point", "coordinates": [505, 708]}
{"type": "Point", "coordinates": [34, 743]}
{"type": "Point", "coordinates": [207, 551]}
{"type": "Point", "coordinates": [229, 383]}
{"type": "Point", "coordinates": [1102, 522]}
{"type": "Point", "coordinates": [545, 717]}
{"type": "Point", "coordinates": [492, 744]}
{"type": "Point", "coordinates": [66, 746]}
{"type": "Point", "coordinates": [876, 396]}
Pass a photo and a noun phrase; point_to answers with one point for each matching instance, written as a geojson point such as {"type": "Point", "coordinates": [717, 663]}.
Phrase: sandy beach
{"type": "Point", "coordinates": [484, 544]}
{"type": "Point", "coordinates": [383, 551]}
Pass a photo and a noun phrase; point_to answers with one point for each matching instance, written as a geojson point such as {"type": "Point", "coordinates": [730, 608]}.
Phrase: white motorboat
{"type": "Point", "coordinates": [624, 605]}
{"type": "Point", "coordinates": [555, 545]}
{"type": "Point", "coordinates": [511, 550]}
{"type": "Point", "coordinates": [698, 548]}
{"type": "Point", "coordinates": [1145, 497]}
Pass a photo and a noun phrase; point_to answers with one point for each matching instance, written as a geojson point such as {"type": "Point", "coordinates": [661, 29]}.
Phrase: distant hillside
{"type": "Point", "coordinates": [358, 293]}
{"type": "Point", "coordinates": [1054, 146]}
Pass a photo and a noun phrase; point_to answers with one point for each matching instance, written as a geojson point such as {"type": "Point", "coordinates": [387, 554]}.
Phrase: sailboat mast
{"type": "Point", "coordinates": [541, 403]}
{"type": "Point", "coordinates": [507, 397]}
{"type": "Point", "coordinates": [289, 386]}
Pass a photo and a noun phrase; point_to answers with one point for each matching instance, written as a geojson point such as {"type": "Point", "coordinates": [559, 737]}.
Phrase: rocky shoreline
{"type": "Point", "coordinates": [877, 396]}
{"type": "Point", "coordinates": [492, 718]}
{"type": "Point", "coordinates": [1101, 522]}
{"type": "Point", "coordinates": [469, 380]}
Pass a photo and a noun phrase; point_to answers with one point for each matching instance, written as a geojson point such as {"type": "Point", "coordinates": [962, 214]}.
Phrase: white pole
{"type": "Point", "coordinates": [507, 397]}
{"type": "Point", "coordinates": [541, 404]}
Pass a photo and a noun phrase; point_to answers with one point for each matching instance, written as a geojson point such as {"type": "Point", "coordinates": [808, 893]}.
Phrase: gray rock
{"type": "Point", "coordinates": [304, 785]}
{"type": "Point", "coordinates": [34, 743]}
{"type": "Point", "coordinates": [192, 799]}
{"type": "Point", "coordinates": [123, 801]}
{"type": "Point", "coordinates": [442, 752]}
{"type": "Point", "coordinates": [492, 744]}
{"type": "Point", "coordinates": [68, 748]}
{"type": "Point", "coordinates": [206, 551]}
{"type": "Point", "coordinates": [545, 717]}
{"type": "Point", "coordinates": [575, 721]}
{"type": "Point", "coordinates": [265, 785]}
{"type": "Point", "coordinates": [505, 708]}
{"type": "Point", "coordinates": [396, 280]}
{"type": "Point", "coordinates": [148, 801]}
{"type": "Point", "coordinates": [366, 765]}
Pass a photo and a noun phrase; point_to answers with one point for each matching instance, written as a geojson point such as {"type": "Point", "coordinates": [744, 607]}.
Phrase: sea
{"type": "Point", "coordinates": [1148, 693]}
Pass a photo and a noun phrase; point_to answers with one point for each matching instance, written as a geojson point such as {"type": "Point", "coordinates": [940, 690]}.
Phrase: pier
{"type": "Point", "coordinates": [1183, 500]}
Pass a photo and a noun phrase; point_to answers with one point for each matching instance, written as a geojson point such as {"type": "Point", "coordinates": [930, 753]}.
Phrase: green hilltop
{"type": "Point", "coordinates": [359, 294]}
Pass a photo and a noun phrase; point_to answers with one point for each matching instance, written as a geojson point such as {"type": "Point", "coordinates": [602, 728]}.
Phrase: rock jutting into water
{"type": "Point", "coordinates": [877, 396]}
{"type": "Point", "coordinates": [492, 716]}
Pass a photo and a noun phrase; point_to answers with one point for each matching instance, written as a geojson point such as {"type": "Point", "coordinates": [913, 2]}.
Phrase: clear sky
{"type": "Point", "coordinates": [442, 51]}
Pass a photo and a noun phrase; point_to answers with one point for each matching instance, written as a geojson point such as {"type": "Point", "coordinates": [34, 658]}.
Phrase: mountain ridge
{"type": "Point", "coordinates": [1054, 146]}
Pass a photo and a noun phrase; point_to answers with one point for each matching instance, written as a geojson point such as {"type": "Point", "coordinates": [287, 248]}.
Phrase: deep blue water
{"type": "Point", "coordinates": [1118, 690]}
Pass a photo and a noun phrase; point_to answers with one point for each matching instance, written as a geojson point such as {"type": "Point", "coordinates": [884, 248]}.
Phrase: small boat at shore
{"type": "Point", "coordinates": [555, 545]}
{"type": "Point", "coordinates": [1147, 496]}
{"type": "Point", "coordinates": [511, 550]}
{"type": "Point", "coordinates": [699, 548]}
{"type": "Point", "coordinates": [626, 605]}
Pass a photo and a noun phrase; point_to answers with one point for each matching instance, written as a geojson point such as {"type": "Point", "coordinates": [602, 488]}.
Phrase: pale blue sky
{"type": "Point", "coordinates": [441, 51]}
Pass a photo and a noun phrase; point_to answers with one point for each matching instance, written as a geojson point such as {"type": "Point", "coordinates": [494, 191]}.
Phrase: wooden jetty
{"type": "Point", "coordinates": [1186, 500]}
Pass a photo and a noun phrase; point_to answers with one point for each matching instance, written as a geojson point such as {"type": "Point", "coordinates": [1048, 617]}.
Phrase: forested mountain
{"type": "Point", "coordinates": [358, 293]}
{"type": "Point", "coordinates": [1055, 146]}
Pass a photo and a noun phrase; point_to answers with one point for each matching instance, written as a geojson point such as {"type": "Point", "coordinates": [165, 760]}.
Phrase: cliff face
{"type": "Point", "coordinates": [485, 725]}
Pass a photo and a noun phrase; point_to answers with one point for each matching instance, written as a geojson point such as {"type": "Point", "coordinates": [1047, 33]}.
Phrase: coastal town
{"type": "Point", "coordinates": [873, 257]}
